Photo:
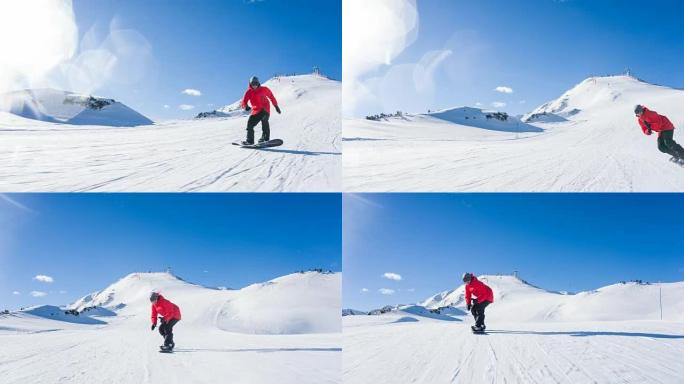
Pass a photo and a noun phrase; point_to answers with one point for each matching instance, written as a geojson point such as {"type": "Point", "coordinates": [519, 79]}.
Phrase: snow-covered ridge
{"type": "Point", "coordinates": [55, 106]}
{"type": "Point", "coordinates": [515, 299]}
{"type": "Point", "coordinates": [286, 89]}
{"type": "Point", "coordinates": [303, 302]}
{"type": "Point", "coordinates": [599, 94]}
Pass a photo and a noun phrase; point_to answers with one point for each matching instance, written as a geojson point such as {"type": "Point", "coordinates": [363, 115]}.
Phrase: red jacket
{"type": "Point", "coordinates": [259, 98]}
{"type": "Point", "coordinates": [165, 309]}
{"type": "Point", "coordinates": [480, 290]}
{"type": "Point", "coordinates": [657, 123]}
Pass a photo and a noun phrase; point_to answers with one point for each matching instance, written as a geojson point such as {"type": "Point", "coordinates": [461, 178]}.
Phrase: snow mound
{"type": "Point", "coordinates": [55, 106]}
{"type": "Point", "coordinates": [133, 291]}
{"type": "Point", "coordinates": [286, 89]}
{"type": "Point", "coordinates": [515, 299]}
{"type": "Point", "coordinates": [479, 118]}
{"type": "Point", "coordinates": [603, 95]}
{"type": "Point", "coordinates": [55, 313]}
{"type": "Point", "coordinates": [298, 303]}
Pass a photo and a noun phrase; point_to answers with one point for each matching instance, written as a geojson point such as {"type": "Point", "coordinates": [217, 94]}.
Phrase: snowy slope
{"type": "Point", "coordinates": [590, 141]}
{"type": "Point", "coordinates": [56, 106]}
{"type": "Point", "coordinates": [184, 155]}
{"type": "Point", "coordinates": [122, 348]}
{"type": "Point", "coordinates": [515, 299]}
{"type": "Point", "coordinates": [612, 334]}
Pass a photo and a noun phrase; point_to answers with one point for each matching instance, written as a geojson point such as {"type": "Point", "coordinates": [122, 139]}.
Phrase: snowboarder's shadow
{"type": "Point", "coordinates": [261, 350]}
{"type": "Point", "coordinates": [295, 152]}
{"type": "Point", "coordinates": [589, 333]}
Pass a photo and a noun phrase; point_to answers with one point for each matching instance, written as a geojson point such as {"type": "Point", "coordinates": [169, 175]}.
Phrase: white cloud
{"type": "Point", "coordinates": [504, 89]}
{"type": "Point", "coordinates": [192, 92]}
{"type": "Point", "coordinates": [44, 278]}
{"type": "Point", "coordinates": [478, 104]}
{"type": "Point", "coordinates": [389, 26]}
{"type": "Point", "coordinates": [523, 101]}
{"type": "Point", "coordinates": [498, 104]}
{"type": "Point", "coordinates": [392, 276]}
{"type": "Point", "coordinates": [166, 106]}
{"type": "Point", "coordinates": [38, 294]}
{"type": "Point", "coordinates": [386, 291]}
{"type": "Point", "coordinates": [364, 290]}
{"type": "Point", "coordinates": [411, 290]}
{"type": "Point", "coordinates": [16, 293]}
{"type": "Point", "coordinates": [62, 292]}
{"type": "Point", "coordinates": [186, 107]}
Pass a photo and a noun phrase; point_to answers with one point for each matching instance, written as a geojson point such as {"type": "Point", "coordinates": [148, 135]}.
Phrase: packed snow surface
{"type": "Point", "coordinates": [296, 340]}
{"type": "Point", "coordinates": [588, 140]}
{"type": "Point", "coordinates": [609, 335]}
{"type": "Point", "coordinates": [183, 155]}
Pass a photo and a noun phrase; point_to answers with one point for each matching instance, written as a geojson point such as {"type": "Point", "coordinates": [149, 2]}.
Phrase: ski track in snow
{"type": "Point", "coordinates": [114, 354]}
{"type": "Point", "coordinates": [183, 156]}
{"type": "Point", "coordinates": [432, 351]}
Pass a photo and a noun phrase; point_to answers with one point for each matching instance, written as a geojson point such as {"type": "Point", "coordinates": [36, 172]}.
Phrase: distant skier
{"type": "Point", "coordinates": [650, 122]}
{"type": "Point", "coordinates": [484, 295]}
{"type": "Point", "coordinates": [258, 96]}
{"type": "Point", "coordinates": [170, 314]}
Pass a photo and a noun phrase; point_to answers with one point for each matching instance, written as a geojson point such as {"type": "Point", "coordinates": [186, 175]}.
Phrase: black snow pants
{"type": "Point", "coordinates": [252, 122]}
{"type": "Point", "coordinates": [478, 311]}
{"type": "Point", "coordinates": [166, 330]}
{"type": "Point", "coordinates": [666, 144]}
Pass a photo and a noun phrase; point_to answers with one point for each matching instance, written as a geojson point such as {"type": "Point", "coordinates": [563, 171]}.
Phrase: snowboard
{"type": "Point", "coordinates": [265, 144]}
{"type": "Point", "coordinates": [162, 349]}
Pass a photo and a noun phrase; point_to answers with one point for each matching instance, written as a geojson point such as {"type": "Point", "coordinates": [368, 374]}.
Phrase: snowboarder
{"type": "Point", "coordinates": [650, 122]}
{"type": "Point", "coordinates": [258, 96]}
{"type": "Point", "coordinates": [484, 295]}
{"type": "Point", "coordinates": [170, 315]}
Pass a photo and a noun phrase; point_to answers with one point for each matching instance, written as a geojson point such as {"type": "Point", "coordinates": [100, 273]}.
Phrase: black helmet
{"type": "Point", "coordinates": [467, 277]}
{"type": "Point", "coordinates": [154, 296]}
{"type": "Point", "coordinates": [639, 109]}
{"type": "Point", "coordinates": [254, 81]}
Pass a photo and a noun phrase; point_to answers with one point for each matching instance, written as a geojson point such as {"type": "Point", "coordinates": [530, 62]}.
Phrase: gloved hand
{"type": "Point", "coordinates": [277, 109]}
{"type": "Point", "coordinates": [650, 131]}
{"type": "Point", "coordinates": [470, 306]}
{"type": "Point", "coordinates": [154, 326]}
{"type": "Point", "coordinates": [248, 108]}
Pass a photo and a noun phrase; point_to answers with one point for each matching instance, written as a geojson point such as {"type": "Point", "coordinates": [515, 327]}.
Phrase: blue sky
{"type": "Point", "coordinates": [85, 242]}
{"type": "Point", "coordinates": [538, 48]}
{"type": "Point", "coordinates": [214, 46]}
{"type": "Point", "coordinates": [570, 242]}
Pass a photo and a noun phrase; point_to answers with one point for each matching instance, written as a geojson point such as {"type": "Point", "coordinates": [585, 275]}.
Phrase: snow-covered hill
{"type": "Point", "coordinates": [517, 300]}
{"type": "Point", "coordinates": [54, 106]}
{"type": "Point", "coordinates": [183, 155]}
{"type": "Point", "coordinates": [586, 140]}
{"type": "Point", "coordinates": [285, 330]}
{"type": "Point", "coordinates": [298, 303]}
{"type": "Point", "coordinates": [613, 334]}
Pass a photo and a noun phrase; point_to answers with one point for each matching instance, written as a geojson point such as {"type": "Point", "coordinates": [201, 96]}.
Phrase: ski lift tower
{"type": "Point", "coordinates": [628, 72]}
{"type": "Point", "coordinates": [168, 270]}
{"type": "Point", "coordinates": [515, 274]}
{"type": "Point", "coordinates": [317, 70]}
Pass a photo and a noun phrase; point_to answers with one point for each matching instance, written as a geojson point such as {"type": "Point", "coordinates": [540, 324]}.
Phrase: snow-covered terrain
{"type": "Point", "coordinates": [56, 106]}
{"type": "Point", "coordinates": [587, 140]}
{"type": "Point", "coordinates": [286, 330]}
{"type": "Point", "coordinates": [183, 155]}
{"type": "Point", "coordinates": [613, 334]}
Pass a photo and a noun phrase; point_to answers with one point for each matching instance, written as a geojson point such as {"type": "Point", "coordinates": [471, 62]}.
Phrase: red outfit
{"type": "Point", "coordinates": [259, 98]}
{"type": "Point", "coordinates": [166, 309]}
{"type": "Point", "coordinates": [655, 122]}
{"type": "Point", "coordinates": [479, 289]}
